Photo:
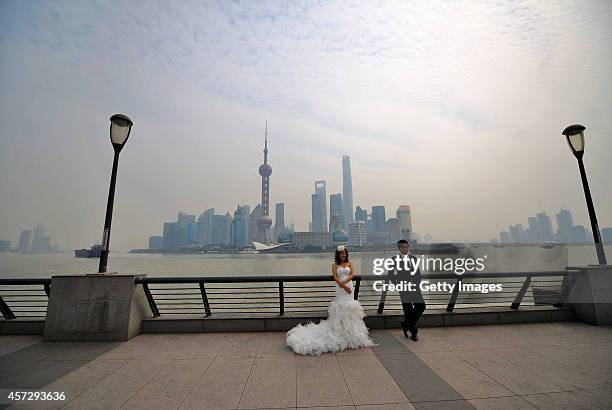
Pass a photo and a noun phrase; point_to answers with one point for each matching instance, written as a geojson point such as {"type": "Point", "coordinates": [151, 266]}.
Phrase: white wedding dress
{"type": "Point", "coordinates": [343, 329]}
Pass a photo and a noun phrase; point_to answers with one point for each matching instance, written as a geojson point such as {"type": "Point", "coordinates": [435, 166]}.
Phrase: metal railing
{"type": "Point", "coordinates": [291, 294]}
{"type": "Point", "coordinates": [24, 297]}
{"type": "Point", "coordinates": [311, 294]}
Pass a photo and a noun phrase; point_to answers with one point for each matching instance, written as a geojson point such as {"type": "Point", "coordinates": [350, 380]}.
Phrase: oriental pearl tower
{"type": "Point", "coordinates": [265, 222]}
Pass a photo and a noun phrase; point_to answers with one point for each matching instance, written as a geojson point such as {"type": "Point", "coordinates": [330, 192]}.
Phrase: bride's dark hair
{"type": "Point", "coordinates": [337, 256]}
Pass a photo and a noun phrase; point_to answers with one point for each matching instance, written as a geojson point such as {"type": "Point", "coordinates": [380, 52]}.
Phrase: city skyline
{"type": "Point", "coordinates": [455, 109]}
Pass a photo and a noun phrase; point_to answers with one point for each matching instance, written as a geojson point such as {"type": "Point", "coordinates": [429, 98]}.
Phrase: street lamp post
{"type": "Point", "coordinates": [120, 129]}
{"type": "Point", "coordinates": [575, 138]}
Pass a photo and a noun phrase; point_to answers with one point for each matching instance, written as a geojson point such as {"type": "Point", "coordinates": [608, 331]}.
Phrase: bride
{"type": "Point", "coordinates": [344, 327]}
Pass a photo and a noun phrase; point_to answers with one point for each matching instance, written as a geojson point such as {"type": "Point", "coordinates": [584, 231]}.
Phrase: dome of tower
{"type": "Point", "coordinates": [265, 170]}
{"type": "Point", "coordinates": [339, 236]}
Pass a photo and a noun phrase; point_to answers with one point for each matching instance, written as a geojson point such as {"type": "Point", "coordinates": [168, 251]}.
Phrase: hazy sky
{"type": "Point", "coordinates": [455, 108]}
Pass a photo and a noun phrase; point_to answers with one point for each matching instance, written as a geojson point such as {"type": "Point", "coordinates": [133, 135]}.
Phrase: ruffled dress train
{"type": "Point", "coordinates": [343, 329]}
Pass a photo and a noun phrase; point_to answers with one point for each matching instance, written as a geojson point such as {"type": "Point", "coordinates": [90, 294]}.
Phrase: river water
{"type": "Point", "coordinates": [519, 258]}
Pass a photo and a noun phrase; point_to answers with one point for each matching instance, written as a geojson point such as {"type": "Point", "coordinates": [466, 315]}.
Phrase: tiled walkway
{"type": "Point", "coordinates": [552, 365]}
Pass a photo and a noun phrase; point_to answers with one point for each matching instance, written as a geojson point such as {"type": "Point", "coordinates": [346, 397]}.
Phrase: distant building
{"type": "Point", "coordinates": [256, 213]}
{"type": "Point", "coordinates": [579, 234]}
{"type": "Point", "coordinates": [339, 237]}
{"type": "Point", "coordinates": [565, 224]}
{"type": "Point", "coordinates": [378, 238]}
{"type": "Point", "coordinates": [205, 227]}
{"type": "Point", "coordinates": [336, 212]}
{"type": "Point", "coordinates": [25, 241]}
{"type": "Point", "coordinates": [303, 240]}
{"type": "Point", "coordinates": [279, 220]}
{"type": "Point", "coordinates": [392, 227]}
{"type": "Point", "coordinates": [361, 214]}
{"type": "Point", "coordinates": [221, 229]}
{"type": "Point", "coordinates": [516, 233]}
{"type": "Point", "coordinates": [156, 242]}
{"type": "Point", "coordinates": [535, 233]}
{"type": "Point", "coordinates": [238, 228]}
{"type": "Point", "coordinates": [191, 233]}
{"type": "Point", "coordinates": [427, 238]}
{"type": "Point", "coordinates": [5, 246]}
{"type": "Point", "coordinates": [504, 237]}
{"type": "Point", "coordinates": [606, 235]}
{"type": "Point", "coordinates": [336, 222]}
{"type": "Point", "coordinates": [378, 219]}
{"type": "Point", "coordinates": [264, 222]}
{"type": "Point", "coordinates": [546, 228]}
{"type": "Point", "coordinates": [319, 208]}
{"type": "Point", "coordinates": [357, 233]}
{"type": "Point", "coordinates": [40, 242]}
{"type": "Point", "coordinates": [405, 221]}
{"type": "Point", "coordinates": [174, 235]}
{"type": "Point", "coordinates": [347, 189]}
{"type": "Point", "coordinates": [185, 219]}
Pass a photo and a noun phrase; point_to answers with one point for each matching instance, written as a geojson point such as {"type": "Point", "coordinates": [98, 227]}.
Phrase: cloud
{"type": "Point", "coordinates": [443, 97]}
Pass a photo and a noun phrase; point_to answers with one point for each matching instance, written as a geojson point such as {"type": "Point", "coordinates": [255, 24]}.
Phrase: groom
{"type": "Point", "coordinates": [412, 300]}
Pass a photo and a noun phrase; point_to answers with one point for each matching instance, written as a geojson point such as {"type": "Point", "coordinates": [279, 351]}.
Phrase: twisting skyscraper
{"type": "Point", "coordinates": [347, 190]}
{"type": "Point", "coordinates": [265, 222]}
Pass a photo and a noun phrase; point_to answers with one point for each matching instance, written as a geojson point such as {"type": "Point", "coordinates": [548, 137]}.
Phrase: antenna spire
{"type": "Point", "coordinates": [266, 144]}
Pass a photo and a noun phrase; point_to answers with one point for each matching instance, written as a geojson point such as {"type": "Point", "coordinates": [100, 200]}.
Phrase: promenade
{"type": "Point", "coordinates": [521, 366]}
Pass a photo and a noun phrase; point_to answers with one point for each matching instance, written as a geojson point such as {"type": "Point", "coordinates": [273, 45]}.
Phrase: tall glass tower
{"type": "Point", "coordinates": [347, 190]}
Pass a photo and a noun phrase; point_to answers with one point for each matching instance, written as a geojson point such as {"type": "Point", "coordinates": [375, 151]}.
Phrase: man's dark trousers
{"type": "Point", "coordinates": [412, 313]}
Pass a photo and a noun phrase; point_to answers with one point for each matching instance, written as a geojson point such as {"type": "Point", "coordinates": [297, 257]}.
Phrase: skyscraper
{"type": "Point", "coordinates": [319, 207]}
{"type": "Point", "coordinates": [221, 228]}
{"type": "Point", "coordinates": [357, 233]}
{"type": "Point", "coordinates": [535, 233]}
{"type": "Point", "coordinates": [347, 189]}
{"type": "Point", "coordinates": [545, 226]}
{"type": "Point", "coordinates": [392, 227]}
{"type": "Point", "coordinates": [565, 223]}
{"type": "Point", "coordinates": [253, 218]}
{"type": "Point", "coordinates": [517, 234]}
{"type": "Point", "coordinates": [205, 227]}
{"type": "Point", "coordinates": [174, 235]}
{"type": "Point", "coordinates": [336, 211]}
{"type": "Point", "coordinates": [405, 221]}
{"type": "Point", "coordinates": [41, 241]}
{"type": "Point", "coordinates": [25, 240]}
{"type": "Point", "coordinates": [265, 222]}
{"type": "Point", "coordinates": [279, 220]}
{"type": "Point", "coordinates": [378, 218]}
{"type": "Point", "coordinates": [238, 227]}
{"type": "Point", "coordinates": [185, 219]}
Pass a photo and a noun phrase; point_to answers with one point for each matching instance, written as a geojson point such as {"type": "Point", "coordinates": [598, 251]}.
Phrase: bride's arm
{"type": "Point", "coordinates": [351, 275]}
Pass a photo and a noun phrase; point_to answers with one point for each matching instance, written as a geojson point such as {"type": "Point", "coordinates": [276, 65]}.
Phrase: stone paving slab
{"type": "Point", "coordinates": [523, 366]}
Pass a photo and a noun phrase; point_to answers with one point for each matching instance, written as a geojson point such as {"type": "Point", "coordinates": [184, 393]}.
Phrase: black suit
{"type": "Point", "coordinates": [413, 302]}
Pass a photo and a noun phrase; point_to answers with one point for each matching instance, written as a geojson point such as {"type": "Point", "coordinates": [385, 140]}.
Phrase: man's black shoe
{"type": "Point", "coordinates": [413, 334]}
{"type": "Point", "coordinates": [405, 329]}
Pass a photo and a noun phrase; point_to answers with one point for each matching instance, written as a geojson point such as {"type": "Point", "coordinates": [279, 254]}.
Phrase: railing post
{"type": "Point", "coordinates": [150, 299]}
{"type": "Point", "coordinates": [47, 289]}
{"type": "Point", "coordinates": [521, 293]}
{"type": "Point", "coordinates": [453, 298]}
{"type": "Point", "coordinates": [383, 297]}
{"type": "Point", "coordinates": [281, 297]}
{"type": "Point", "coordinates": [357, 283]}
{"type": "Point", "coordinates": [6, 310]}
{"type": "Point", "coordinates": [205, 299]}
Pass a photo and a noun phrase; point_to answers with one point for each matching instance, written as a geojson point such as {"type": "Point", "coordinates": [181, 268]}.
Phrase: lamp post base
{"type": "Point", "coordinates": [95, 307]}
